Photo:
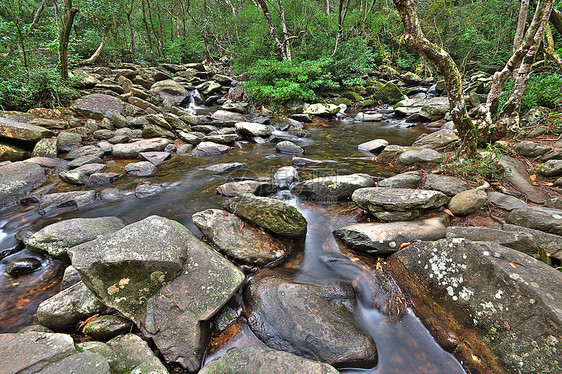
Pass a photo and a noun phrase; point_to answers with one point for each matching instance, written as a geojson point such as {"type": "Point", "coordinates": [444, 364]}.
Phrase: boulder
{"type": "Point", "coordinates": [67, 141]}
{"type": "Point", "coordinates": [468, 202]}
{"type": "Point", "coordinates": [132, 150]}
{"type": "Point", "coordinates": [520, 241]}
{"type": "Point", "coordinates": [98, 106]}
{"type": "Point", "coordinates": [257, 188]}
{"type": "Point", "coordinates": [436, 139]}
{"type": "Point", "coordinates": [17, 179]}
{"type": "Point", "coordinates": [385, 238]}
{"type": "Point", "coordinates": [539, 218]}
{"type": "Point", "coordinates": [322, 109]}
{"type": "Point", "coordinates": [240, 241]}
{"type": "Point", "coordinates": [76, 199]}
{"type": "Point", "coordinates": [79, 362]}
{"type": "Point", "coordinates": [46, 147]}
{"type": "Point", "coordinates": [449, 185]}
{"type": "Point", "coordinates": [373, 146]}
{"type": "Point", "coordinates": [531, 149]}
{"type": "Point", "coordinates": [209, 87]}
{"type": "Point", "coordinates": [210, 149]}
{"type": "Point", "coordinates": [107, 327]}
{"type": "Point", "coordinates": [285, 176]}
{"type": "Point", "coordinates": [389, 93]}
{"type": "Point", "coordinates": [409, 179]}
{"type": "Point", "coordinates": [87, 150]}
{"type": "Point", "coordinates": [551, 243]}
{"type": "Point", "coordinates": [224, 115]}
{"type": "Point", "coordinates": [102, 179]}
{"type": "Point", "coordinates": [424, 155]}
{"type": "Point", "coordinates": [140, 169]}
{"type": "Point", "coordinates": [517, 175]}
{"type": "Point", "coordinates": [253, 129]}
{"type": "Point", "coordinates": [289, 148]}
{"type": "Point", "coordinates": [22, 131]}
{"type": "Point", "coordinates": [169, 88]}
{"type": "Point", "coordinates": [551, 168]}
{"type": "Point", "coordinates": [135, 355]}
{"type": "Point", "coordinates": [274, 215]}
{"type": "Point", "coordinates": [333, 189]}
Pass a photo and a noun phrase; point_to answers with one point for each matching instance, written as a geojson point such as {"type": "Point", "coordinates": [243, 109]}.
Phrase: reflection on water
{"type": "Point", "coordinates": [404, 345]}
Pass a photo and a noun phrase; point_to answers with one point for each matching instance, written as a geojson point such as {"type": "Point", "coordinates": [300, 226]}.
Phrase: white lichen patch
{"type": "Point", "coordinates": [498, 294]}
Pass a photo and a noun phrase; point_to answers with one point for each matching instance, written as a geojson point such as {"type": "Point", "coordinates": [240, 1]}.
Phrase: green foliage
{"type": "Point", "coordinates": [485, 168]}
{"type": "Point", "coordinates": [183, 50]}
{"type": "Point", "coordinates": [543, 90]}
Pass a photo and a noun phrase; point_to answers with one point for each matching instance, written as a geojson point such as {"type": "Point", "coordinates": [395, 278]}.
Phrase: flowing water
{"type": "Point", "coordinates": [404, 345]}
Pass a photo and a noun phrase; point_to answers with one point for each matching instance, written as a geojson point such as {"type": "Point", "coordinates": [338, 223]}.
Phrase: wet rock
{"type": "Point", "coordinates": [90, 169]}
{"type": "Point", "coordinates": [278, 307]}
{"type": "Point", "coordinates": [169, 88]}
{"type": "Point", "coordinates": [141, 168]}
{"type": "Point", "coordinates": [210, 149]}
{"type": "Point", "coordinates": [222, 138]}
{"type": "Point", "coordinates": [18, 266]}
{"type": "Point", "coordinates": [76, 199]}
{"type": "Point", "coordinates": [322, 109]}
{"type": "Point", "coordinates": [132, 150]}
{"type": "Point", "coordinates": [30, 352]}
{"type": "Point", "coordinates": [468, 202]}
{"type": "Point", "coordinates": [530, 149]}
{"type": "Point", "coordinates": [253, 129]}
{"type": "Point", "coordinates": [46, 147]}
{"type": "Point", "coordinates": [403, 203]}
{"type": "Point", "coordinates": [221, 168]}
{"type": "Point", "coordinates": [436, 139]}
{"type": "Point", "coordinates": [184, 149]}
{"type": "Point", "coordinates": [336, 188]}
{"type": "Point", "coordinates": [135, 354]}
{"type": "Point", "coordinates": [102, 179]}
{"type": "Point", "coordinates": [22, 131]}
{"type": "Point", "coordinates": [67, 141]}
{"type": "Point", "coordinates": [274, 215]}
{"type": "Point", "coordinates": [388, 93]}
{"type": "Point", "coordinates": [176, 314]}
{"type": "Point", "coordinates": [373, 146]}
{"type": "Point", "coordinates": [85, 151]}
{"type": "Point", "coordinates": [539, 218]}
{"type": "Point", "coordinates": [47, 162]}
{"type": "Point", "coordinates": [107, 327]}
{"type": "Point", "coordinates": [289, 148]}
{"type": "Point", "coordinates": [520, 241]}
{"type": "Point", "coordinates": [156, 158]}
{"type": "Point", "coordinates": [209, 87]}
{"type": "Point", "coordinates": [504, 201]}
{"type": "Point", "coordinates": [385, 238]}
{"type": "Point", "coordinates": [223, 115]}
{"type": "Point", "coordinates": [285, 176]}
{"type": "Point", "coordinates": [551, 243]}
{"type": "Point", "coordinates": [368, 117]}
{"type": "Point", "coordinates": [424, 155]}
{"type": "Point", "coordinates": [263, 360]}
{"type": "Point", "coordinates": [56, 238]}
{"type": "Point", "coordinates": [69, 278]}
{"type": "Point", "coordinates": [410, 179]}
{"type": "Point", "coordinates": [111, 194]}
{"type": "Point", "coordinates": [73, 177]}
{"type": "Point", "coordinates": [551, 168]}
{"type": "Point", "coordinates": [257, 188]}
{"type": "Point", "coordinates": [154, 131]}
{"type": "Point", "coordinates": [512, 309]}
{"type": "Point", "coordinates": [89, 159]}
{"type": "Point", "coordinates": [9, 152]}
{"type": "Point", "coordinates": [98, 106]}
{"type": "Point", "coordinates": [106, 352]}
{"type": "Point", "coordinates": [304, 162]}
{"type": "Point", "coordinates": [249, 245]}
{"type": "Point", "coordinates": [123, 269]}
{"type": "Point", "coordinates": [64, 310]}
{"type": "Point", "coordinates": [144, 190]}
{"type": "Point", "coordinates": [447, 184]}
{"type": "Point", "coordinates": [17, 179]}
{"type": "Point", "coordinates": [392, 151]}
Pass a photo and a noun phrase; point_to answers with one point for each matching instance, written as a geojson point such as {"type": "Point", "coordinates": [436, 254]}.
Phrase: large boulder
{"type": "Point", "coordinates": [332, 189]}
{"type": "Point", "coordinates": [389, 93]}
{"type": "Point", "coordinates": [315, 321]}
{"type": "Point", "coordinates": [98, 106]}
{"type": "Point", "coordinates": [240, 241]}
{"type": "Point", "coordinates": [169, 88]}
{"type": "Point", "coordinates": [132, 150]}
{"type": "Point", "coordinates": [22, 131]}
{"type": "Point", "coordinates": [322, 109]}
{"type": "Point", "coordinates": [79, 362]}
{"type": "Point", "coordinates": [253, 129]}
{"type": "Point", "coordinates": [274, 215]}
{"type": "Point", "coordinates": [264, 360]}
{"type": "Point", "coordinates": [493, 297]}
{"type": "Point", "coordinates": [436, 139]}
{"type": "Point", "coordinates": [17, 179]}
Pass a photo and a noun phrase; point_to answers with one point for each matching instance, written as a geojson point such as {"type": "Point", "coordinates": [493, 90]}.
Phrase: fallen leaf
{"type": "Point", "coordinates": [241, 227]}
{"type": "Point", "coordinates": [88, 320]}
{"type": "Point", "coordinates": [448, 212]}
{"type": "Point", "coordinates": [513, 265]}
{"type": "Point", "coordinates": [533, 177]}
{"type": "Point", "coordinates": [404, 245]}
{"type": "Point", "coordinates": [390, 164]}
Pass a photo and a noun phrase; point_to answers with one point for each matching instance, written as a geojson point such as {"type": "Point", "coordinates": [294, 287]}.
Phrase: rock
{"type": "Point", "coordinates": [169, 88]}
{"type": "Point", "coordinates": [304, 162]}
{"type": "Point", "coordinates": [102, 179]}
{"type": "Point", "coordinates": [373, 146]}
{"type": "Point", "coordinates": [64, 310]}
{"type": "Point", "coordinates": [210, 149]}
{"type": "Point", "coordinates": [503, 201]}
{"type": "Point", "coordinates": [209, 87]}
{"type": "Point", "coordinates": [144, 190]}
{"type": "Point", "coordinates": [22, 131]}
{"type": "Point", "coordinates": [90, 169]}
{"type": "Point", "coordinates": [407, 202]}
{"type": "Point", "coordinates": [111, 194]}
{"type": "Point", "coordinates": [368, 117]}
{"type": "Point", "coordinates": [69, 278]}
{"type": "Point", "coordinates": [190, 138]}
{"type": "Point", "coordinates": [73, 177]}
{"type": "Point", "coordinates": [475, 285]}
{"type": "Point", "coordinates": [520, 241]}
{"type": "Point", "coordinates": [132, 150]}
{"type": "Point", "coordinates": [436, 139]}
{"type": "Point", "coordinates": [551, 168]}
{"type": "Point", "coordinates": [516, 174]}
{"type": "Point", "coordinates": [18, 266]}
{"type": "Point", "coordinates": [434, 111]}
{"type": "Point", "coordinates": [551, 243]}
{"type": "Point", "coordinates": [30, 352]}
{"type": "Point", "coordinates": [530, 149]}
{"type": "Point", "coordinates": [88, 150]}
{"type": "Point", "coordinates": [76, 199]}
{"type": "Point", "coordinates": [98, 106]}
{"type": "Point", "coordinates": [278, 307]}
{"type": "Point", "coordinates": [89, 159]}
{"type": "Point", "coordinates": [333, 189]}
{"type": "Point", "coordinates": [392, 151]}
{"type": "Point", "coordinates": [384, 238]}
{"type": "Point", "coordinates": [140, 169]}
{"type": "Point", "coordinates": [184, 149]}
{"type": "Point", "coordinates": [539, 218]}
{"type": "Point", "coordinates": [222, 168]}
{"type": "Point", "coordinates": [123, 268]}
{"type": "Point", "coordinates": [223, 115]}
{"type": "Point", "coordinates": [424, 155]}
{"type": "Point", "coordinates": [106, 352]}
{"type": "Point", "coordinates": [322, 109]}
{"type": "Point", "coordinates": [389, 93]}
{"type": "Point", "coordinates": [10, 152]}
{"type": "Point", "coordinates": [553, 155]}
{"type": "Point", "coordinates": [159, 120]}
{"type": "Point", "coordinates": [135, 354]}
{"type": "Point", "coordinates": [534, 115]}
{"type": "Point", "coordinates": [46, 147]}
{"type": "Point", "coordinates": [257, 188]}
{"type": "Point", "coordinates": [253, 129]}
{"type": "Point", "coordinates": [107, 327]}
{"type": "Point", "coordinates": [263, 360]}
{"type": "Point", "coordinates": [285, 176]}
{"type": "Point", "coordinates": [409, 179]}
{"type": "Point", "coordinates": [156, 158]}
{"type": "Point", "coordinates": [274, 215]}
{"type": "Point", "coordinates": [235, 107]}
{"type": "Point", "coordinates": [449, 185]}
{"type": "Point", "coordinates": [468, 202]}
{"type": "Point", "coordinates": [56, 238]}
{"type": "Point", "coordinates": [251, 245]}
{"type": "Point", "coordinates": [289, 148]}
{"type": "Point", "coordinates": [47, 162]}
{"type": "Point", "coordinates": [154, 131]}
{"type": "Point", "coordinates": [222, 138]}
{"type": "Point", "coordinates": [17, 179]}
{"type": "Point", "coordinates": [67, 141]}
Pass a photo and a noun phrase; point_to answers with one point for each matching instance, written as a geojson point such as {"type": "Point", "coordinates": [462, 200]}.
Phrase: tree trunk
{"type": "Point", "coordinates": [69, 14]}
{"type": "Point", "coordinates": [555, 18]}
{"type": "Point", "coordinates": [37, 16]}
{"type": "Point", "coordinates": [549, 48]}
{"type": "Point", "coordinates": [131, 28]}
{"type": "Point", "coordinates": [327, 7]}
{"type": "Point", "coordinates": [98, 51]}
{"type": "Point", "coordinates": [272, 31]}
{"type": "Point", "coordinates": [521, 23]}
{"type": "Point", "coordinates": [447, 67]}
{"type": "Point", "coordinates": [148, 32]}
{"type": "Point", "coordinates": [286, 37]}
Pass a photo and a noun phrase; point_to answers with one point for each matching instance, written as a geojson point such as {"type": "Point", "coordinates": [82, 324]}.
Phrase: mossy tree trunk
{"type": "Point", "coordinates": [447, 67]}
{"type": "Point", "coordinates": [69, 14]}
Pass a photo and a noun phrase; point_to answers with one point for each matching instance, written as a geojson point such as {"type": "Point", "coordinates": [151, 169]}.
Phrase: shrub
{"type": "Point", "coordinates": [543, 89]}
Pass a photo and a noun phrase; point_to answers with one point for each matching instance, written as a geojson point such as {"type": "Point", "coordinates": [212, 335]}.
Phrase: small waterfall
{"type": "Point", "coordinates": [193, 100]}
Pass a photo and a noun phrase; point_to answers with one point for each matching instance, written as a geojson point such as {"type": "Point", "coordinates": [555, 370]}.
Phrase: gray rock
{"type": "Point", "coordinates": [384, 238]}
{"type": "Point", "coordinates": [209, 87]}
{"type": "Point", "coordinates": [104, 134]}
{"type": "Point", "coordinates": [468, 202]}
{"type": "Point", "coordinates": [141, 168]}
{"type": "Point", "coordinates": [132, 150]}
{"type": "Point", "coordinates": [184, 149]}
{"type": "Point", "coordinates": [17, 179]}
{"type": "Point", "coordinates": [144, 190]}
{"type": "Point", "coordinates": [322, 109]}
{"type": "Point", "coordinates": [253, 129]}
{"type": "Point", "coordinates": [249, 245]}
{"type": "Point", "coordinates": [87, 150]}
{"type": "Point", "coordinates": [534, 115]}
{"type": "Point", "coordinates": [285, 176]}
{"type": "Point", "coordinates": [449, 185]}
{"type": "Point", "coordinates": [111, 194]}
{"type": "Point", "coordinates": [190, 138]}
{"type": "Point", "coordinates": [22, 131]}
{"type": "Point", "coordinates": [553, 155]}
{"type": "Point", "coordinates": [79, 362]}
{"type": "Point", "coordinates": [119, 139]}
{"type": "Point", "coordinates": [223, 115]}
{"type": "Point", "coordinates": [84, 160]}
{"type": "Point", "coordinates": [392, 151]}
{"type": "Point", "coordinates": [73, 177]}
{"type": "Point", "coordinates": [90, 169]}
{"type": "Point", "coordinates": [156, 158]}
{"type": "Point", "coordinates": [135, 354]}
{"type": "Point", "coordinates": [222, 138]}
{"type": "Point", "coordinates": [424, 155]}
{"type": "Point", "coordinates": [257, 188]}
{"type": "Point", "coordinates": [530, 149]}
{"type": "Point", "coordinates": [516, 174]}
{"type": "Point", "coordinates": [107, 327]}
{"type": "Point", "coordinates": [76, 199]}
{"type": "Point", "coordinates": [551, 168]}
{"type": "Point", "coordinates": [551, 243]}
{"type": "Point", "coordinates": [410, 179]}
{"type": "Point", "coordinates": [169, 88]}
{"type": "Point", "coordinates": [373, 146]}
{"type": "Point", "coordinates": [104, 350]}
{"type": "Point", "coordinates": [304, 162]}
{"type": "Point", "coordinates": [289, 148]}
{"type": "Point", "coordinates": [210, 149]}
{"type": "Point", "coordinates": [539, 218]}
{"type": "Point", "coordinates": [436, 139]}
{"type": "Point", "coordinates": [98, 106]}
{"type": "Point", "coordinates": [504, 201]}
{"type": "Point", "coordinates": [332, 189]}
{"type": "Point", "coordinates": [69, 278]}
{"type": "Point", "coordinates": [46, 147]}
{"type": "Point", "coordinates": [102, 179]}
{"type": "Point", "coordinates": [222, 168]}
{"type": "Point", "coordinates": [520, 241]}
{"type": "Point", "coordinates": [154, 131]}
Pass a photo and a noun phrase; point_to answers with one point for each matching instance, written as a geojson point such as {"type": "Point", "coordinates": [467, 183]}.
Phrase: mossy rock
{"type": "Point", "coordinates": [389, 93]}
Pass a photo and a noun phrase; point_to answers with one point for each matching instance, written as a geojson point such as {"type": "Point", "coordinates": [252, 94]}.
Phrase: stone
{"type": "Point", "coordinates": [210, 149]}
{"type": "Point", "coordinates": [144, 190]}
{"type": "Point", "coordinates": [90, 169]}
{"type": "Point", "coordinates": [222, 138]}
{"type": "Point", "coordinates": [551, 168]}
{"type": "Point", "coordinates": [322, 109]}
{"type": "Point", "coordinates": [553, 155]}
{"type": "Point", "coordinates": [289, 148]}
{"type": "Point", "coordinates": [385, 238]}
{"type": "Point", "coordinates": [124, 270]}
{"type": "Point", "coordinates": [273, 215]}
{"type": "Point", "coordinates": [551, 243]}
{"type": "Point", "coordinates": [156, 158]}
{"type": "Point", "coordinates": [190, 138]}
{"type": "Point", "coordinates": [300, 162]}
{"type": "Point", "coordinates": [224, 115]}
{"type": "Point", "coordinates": [504, 201]}
{"type": "Point", "coordinates": [263, 360]}
{"type": "Point", "coordinates": [333, 189]}
{"type": "Point", "coordinates": [154, 131]}
{"type": "Point", "coordinates": [69, 278]}
{"type": "Point", "coordinates": [520, 241]}
{"type": "Point", "coordinates": [285, 176]}
{"type": "Point", "coordinates": [19, 266]}
{"type": "Point", "coordinates": [278, 307]}
{"type": "Point", "coordinates": [46, 147]}
{"type": "Point", "coordinates": [436, 139]}
{"type": "Point", "coordinates": [468, 202]}
{"type": "Point", "coordinates": [209, 87]}
{"type": "Point", "coordinates": [531, 149]}
{"type": "Point", "coordinates": [392, 151]}
{"type": "Point", "coordinates": [47, 162]}
{"type": "Point", "coordinates": [136, 356]}
{"type": "Point", "coordinates": [250, 245]}
{"type": "Point", "coordinates": [159, 120]}
{"type": "Point", "coordinates": [257, 188]}
{"type": "Point", "coordinates": [184, 149]}
{"type": "Point", "coordinates": [368, 117]}
{"type": "Point", "coordinates": [409, 179]}
{"type": "Point", "coordinates": [517, 175]}
{"type": "Point", "coordinates": [79, 362]}
{"type": "Point", "coordinates": [110, 194]}
{"type": "Point", "coordinates": [73, 177]}
{"type": "Point", "coordinates": [17, 179]}
{"type": "Point", "coordinates": [9, 152]}
{"type": "Point", "coordinates": [222, 168]}
{"type": "Point", "coordinates": [89, 159]}
{"type": "Point", "coordinates": [132, 150]}
{"type": "Point", "coordinates": [538, 218]}
{"type": "Point", "coordinates": [447, 184]}
{"type": "Point", "coordinates": [88, 150]}
{"type": "Point", "coordinates": [76, 199]}
{"type": "Point", "coordinates": [534, 115]}
{"type": "Point", "coordinates": [22, 131]}
{"type": "Point", "coordinates": [64, 310]}
{"type": "Point", "coordinates": [67, 141]}
{"type": "Point", "coordinates": [107, 327]}
{"type": "Point", "coordinates": [424, 155]}
{"type": "Point", "coordinates": [106, 352]}
{"type": "Point", "coordinates": [388, 93]}
{"type": "Point", "coordinates": [373, 146]}
{"type": "Point", "coordinates": [56, 238]}
{"type": "Point", "coordinates": [102, 179]}
{"type": "Point", "coordinates": [119, 139]}
{"type": "Point", "coordinates": [140, 169]}
{"type": "Point", "coordinates": [253, 129]}
{"type": "Point", "coordinates": [169, 88]}
{"type": "Point", "coordinates": [434, 111]}
{"type": "Point", "coordinates": [98, 106]}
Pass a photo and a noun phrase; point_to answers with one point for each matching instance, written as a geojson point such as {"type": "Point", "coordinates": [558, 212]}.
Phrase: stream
{"type": "Point", "coordinates": [404, 345]}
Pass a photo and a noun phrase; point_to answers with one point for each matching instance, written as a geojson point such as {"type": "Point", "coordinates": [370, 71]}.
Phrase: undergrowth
{"type": "Point", "coordinates": [476, 170]}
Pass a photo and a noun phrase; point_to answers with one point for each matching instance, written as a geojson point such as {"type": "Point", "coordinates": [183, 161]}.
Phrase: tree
{"type": "Point", "coordinates": [69, 14]}
{"type": "Point", "coordinates": [447, 67]}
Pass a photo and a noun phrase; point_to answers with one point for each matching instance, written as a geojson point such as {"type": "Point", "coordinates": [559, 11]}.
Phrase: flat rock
{"type": "Point", "coordinates": [436, 139]}
{"type": "Point", "coordinates": [409, 179]}
{"type": "Point", "coordinates": [373, 146]}
{"type": "Point", "coordinates": [333, 189]}
{"type": "Point", "coordinates": [531, 149]}
{"type": "Point", "coordinates": [210, 149]}
{"type": "Point", "coordinates": [257, 188]}
{"type": "Point", "coordinates": [304, 162]}
{"type": "Point", "coordinates": [253, 129]}
{"type": "Point", "coordinates": [539, 218]}
{"type": "Point", "coordinates": [98, 106]}
{"type": "Point", "coordinates": [222, 168]}
{"type": "Point", "coordinates": [156, 158]}
{"type": "Point", "coordinates": [551, 243]}
{"type": "Point", "coordinates": [424, 155]}
{"type": "Point", "coordinates": [75, 199]}
{"type": "Point", "coordinates": [140, 169]}
{"type": "Point", "coordinates": [84, 160]}
{"type": "Point", "coordinates": [224, 115]}
{"type": "Point", "coordinates": [447, 184]}
{"type": "Point", "coordinates": [17, 179]}
{"type": "Point", "coordinates": [22, 131]}
{"type": "Point", "coordinates": [517, 176]}
{"type": "Point", "coordinates": [520, 241]}
{"type": "Point", "coordinates": [90, 169]}
{"type": "Point", "coordinates": [79, 362]}
{"type": "Point", "coordinates": [87, 150]}
{"type": "Point", "coordinates": [132, 150]}
{"type": "Point", "coordinates": [506, 202]}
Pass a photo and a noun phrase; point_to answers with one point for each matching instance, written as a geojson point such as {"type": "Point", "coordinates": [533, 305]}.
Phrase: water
{"type": "Point", "coordinates": [404, 345]}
